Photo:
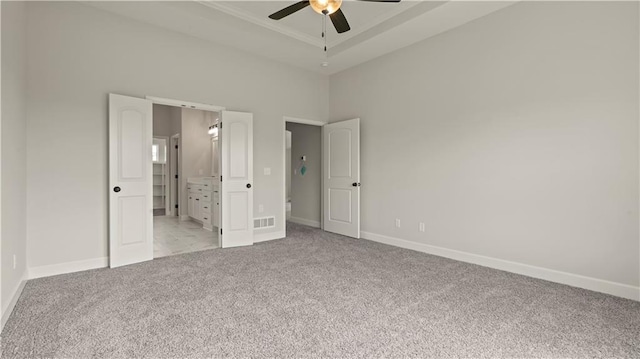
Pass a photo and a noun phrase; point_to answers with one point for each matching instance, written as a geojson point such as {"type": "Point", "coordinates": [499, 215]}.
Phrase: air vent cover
{"type": "Point", "coordinates": [264, 222]}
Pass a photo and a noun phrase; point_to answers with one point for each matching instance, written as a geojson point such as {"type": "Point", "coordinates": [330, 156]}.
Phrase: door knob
{"type": "Point", "coordinates": [116, 189]}
{"type": "Point", "coordinates": [248, 185]}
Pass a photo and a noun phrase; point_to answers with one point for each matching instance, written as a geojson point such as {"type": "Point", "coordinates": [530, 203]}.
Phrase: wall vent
{"type": "Point", "coordinates": [264, 222]}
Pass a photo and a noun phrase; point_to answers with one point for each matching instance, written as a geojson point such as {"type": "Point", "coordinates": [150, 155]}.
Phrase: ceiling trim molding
{"type": "Point", "coordinates": [262, 22]}
{"type": "Point", "coordinates": [378, 20]}
{"type": "Point", "coordinates": [303, 121]}
{"type": "Point", "coordinates": [301, 36]}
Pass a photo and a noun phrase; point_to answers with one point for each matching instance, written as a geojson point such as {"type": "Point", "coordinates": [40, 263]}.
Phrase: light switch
{"type": "Point", "coordinates": [267, 171]}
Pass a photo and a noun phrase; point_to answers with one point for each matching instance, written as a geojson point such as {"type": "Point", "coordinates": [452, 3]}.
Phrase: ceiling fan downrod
{"type": "Point", "coordinates": [324, 31]}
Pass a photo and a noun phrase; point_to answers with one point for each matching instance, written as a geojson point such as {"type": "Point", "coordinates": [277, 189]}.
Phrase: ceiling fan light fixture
{"type": "Point", "coordinates": [325, 7]}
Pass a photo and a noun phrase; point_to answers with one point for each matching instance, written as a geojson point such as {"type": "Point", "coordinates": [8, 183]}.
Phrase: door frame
{"type": "Point", "coordinates": [301, 121]}
{"type": "Point", "coordinates": [183, 104]}
{"type": "Point", "coordinates": [174, 155]}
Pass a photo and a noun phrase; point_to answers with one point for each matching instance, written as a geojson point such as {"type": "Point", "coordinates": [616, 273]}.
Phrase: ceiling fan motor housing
{"type": "Point", "coordinates": [325, 7]}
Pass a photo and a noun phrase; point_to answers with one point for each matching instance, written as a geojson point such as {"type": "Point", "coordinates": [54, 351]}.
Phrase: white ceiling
{"type": "Point", "coordinates": [376, 28]}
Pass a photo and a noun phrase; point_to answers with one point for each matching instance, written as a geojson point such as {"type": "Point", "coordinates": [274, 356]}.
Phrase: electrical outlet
{"type": "Point", "coordinates": [421, 227]}
{"type": "Point", "coordinates": [15, 261]}
{"type": "Point", "coordinates": [397, 223]}
{"type": "Point", "coordinates": [260, 208]}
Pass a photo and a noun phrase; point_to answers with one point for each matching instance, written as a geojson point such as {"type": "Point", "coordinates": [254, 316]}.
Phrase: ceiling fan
{"type": "Point", "coordinates": [324, 7]}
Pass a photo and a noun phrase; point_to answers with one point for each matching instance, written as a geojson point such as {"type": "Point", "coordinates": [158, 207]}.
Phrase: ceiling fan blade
{"type": "Point", "coordinates": [289, 10]}
{"type": "Point", "coordinates": [340, 21]}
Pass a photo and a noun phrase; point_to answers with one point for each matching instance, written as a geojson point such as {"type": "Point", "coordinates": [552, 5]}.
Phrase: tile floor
{"type": "Point", "coordinates": [171, 236]}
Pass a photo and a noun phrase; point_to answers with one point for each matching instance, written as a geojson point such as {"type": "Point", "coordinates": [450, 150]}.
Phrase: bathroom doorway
{"type": "Point", "coordinates": [185, 184]}
{"type": "Point", "coordinates": [303, 177]}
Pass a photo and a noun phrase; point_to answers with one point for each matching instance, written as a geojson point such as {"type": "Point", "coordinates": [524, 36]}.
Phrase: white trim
{"type": "Point", "coordinates": [6, 313]}
{"type": "Point", "coordinates": [639, 202]}
{"type": "Point", "coordinates": [303, 121]}
{"type": "Point", "coordinates": [574, 280]}
{"type": "Point", "coordinates": [305, 222]}
{"type": "Point", "coordinates": [184, 217]}
{"type": "Point", "coordinates": [67, 267]}
{"type": "Point", "coordinates": [284, 178]}
{"type": "Point", "coordinates": [263, 237]}
{"type": "Point", "coordinates": [184, 104]}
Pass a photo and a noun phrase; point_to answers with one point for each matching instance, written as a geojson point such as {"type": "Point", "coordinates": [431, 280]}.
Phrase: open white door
{"type": "Point", "coordinates": [236, 192]}
{"type": "Point", "coordinates": [341, 171]}
{"type": "Point", "coordinates": [130, 178]}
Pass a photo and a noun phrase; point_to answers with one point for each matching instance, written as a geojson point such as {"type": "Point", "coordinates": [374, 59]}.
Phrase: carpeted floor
{"type": "Point", "coordinates": [314, 294]}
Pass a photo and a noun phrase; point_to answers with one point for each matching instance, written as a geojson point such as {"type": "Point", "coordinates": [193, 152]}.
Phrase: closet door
{"type": "Point", "coordinates": [130, 180]}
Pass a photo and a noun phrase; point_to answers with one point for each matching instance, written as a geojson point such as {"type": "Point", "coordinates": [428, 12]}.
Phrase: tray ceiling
{"type": "Point", "coordinates": [376, 28]}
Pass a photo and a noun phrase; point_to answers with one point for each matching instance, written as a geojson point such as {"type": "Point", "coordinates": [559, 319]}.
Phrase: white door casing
{"type": "Point", "coordinates": [236, 186]}
{"type": "Point", "coordinates": [130, 180]}
{"type": "Point", "coordinates": [341, 171]}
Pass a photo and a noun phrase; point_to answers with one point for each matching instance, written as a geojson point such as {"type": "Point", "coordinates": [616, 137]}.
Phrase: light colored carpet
{"type": "Point", "coordinates": [314, 294]}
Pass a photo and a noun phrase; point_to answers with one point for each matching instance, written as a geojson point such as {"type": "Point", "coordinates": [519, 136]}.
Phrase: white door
{"type": "Point", "coordinates": [341, 171]}
{"type": "Point", "coordinates": [130, 180]}
{"type": "Point", "coordinates": [236, 192]}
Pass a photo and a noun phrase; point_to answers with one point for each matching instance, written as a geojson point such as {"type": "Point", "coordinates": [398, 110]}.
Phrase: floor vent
{"type": "Point", "coordinates": [264, 222]}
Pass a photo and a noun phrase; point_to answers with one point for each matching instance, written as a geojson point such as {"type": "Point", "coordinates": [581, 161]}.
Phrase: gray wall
{"type": "Point", "coordinates": [166, 120]}
{"type": "Point", "coordinates": [514, 137]}
{"type": "Point", "coordinates": [13, 150]}
{"type": "Point", "coordinates": [76, 56]}
{"type": "Point", "coordinates": [306, 191]}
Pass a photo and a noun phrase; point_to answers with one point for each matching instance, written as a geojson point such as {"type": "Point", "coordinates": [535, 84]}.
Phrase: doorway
{"type": "Point", "coordinates": [185, 186]}
{"type": "Point", "coordinates": [339, 172]}
{"type": "Point", "coordinates": [303, 174]}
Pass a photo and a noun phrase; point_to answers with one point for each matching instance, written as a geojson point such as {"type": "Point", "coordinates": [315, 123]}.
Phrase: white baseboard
{"type": "Point", "coordinates": [304, 222]}
{"type": "Point", "coordinates": [263, 237]}
{"type": "Point", "coordinates": [185, 218]}
{"type": "Point", "coordinates": [574, 280]}
{"type": "Point", "coordinates": [6, 313]}
{"type": "Point", "coordinates": [67, 267]}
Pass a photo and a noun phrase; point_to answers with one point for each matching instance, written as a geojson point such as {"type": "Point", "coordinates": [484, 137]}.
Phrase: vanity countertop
{"type": "Point", "coordinates": [202, 180]}
{"type": "Point", "coordinates": [213, 181]}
